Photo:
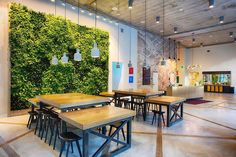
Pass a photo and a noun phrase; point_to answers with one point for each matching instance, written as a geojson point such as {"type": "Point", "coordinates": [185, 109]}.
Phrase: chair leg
{"type": "Point", "coordinates": [68, 147]}
{"type": "Point", "coordinates": [49, 124]}
{"type": "Point", "coordinates": [163, 119]}
{"type": "Point", "coordinates": [78, 146]}
{"type": "Point", "coordinates": [52, 133]}
{"type": "Point", "coordinates": [55, 138]}
{"type": "Point", "coordinates": [37, 123]}
{"type": "Point", "coordinates": [123, 133]}
{"type": "Point", "coordinates": [44, 126]}
{"type": "Point", "coordinates": [72, 150]}
{"type": "Point", "coordinates": [110, 131]}
{"type": "Point", "coordinates": [29, 121]}
{"type": "Point", "coordinates": [62, 148]}
{"type": "Point", "coordinates": [159, 120]}
{"type": "Point", "coordinates": [154, 115]}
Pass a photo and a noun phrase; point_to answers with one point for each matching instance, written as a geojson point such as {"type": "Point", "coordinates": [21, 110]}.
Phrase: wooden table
{"type": "Point", "coordinates": [71, 100]}
{"type": "Point", "coordinates": [173, 104]}
{"type": "Point", "coordinates": [107, 94]}
{"type": "Point", "coordinates": [144, 93]}
{"type": "Point", "coordinates": [91, 118]}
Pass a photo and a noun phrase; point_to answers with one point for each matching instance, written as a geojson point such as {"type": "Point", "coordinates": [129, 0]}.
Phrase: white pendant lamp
{"type": "Point", "coordinates": [95, 52]}
{"type": "Point", "coordinates": [54, 60]}
{"type": "Point", "coordinates": [77, 55]}
{"type": "Point", "coordinates": [64, 58]}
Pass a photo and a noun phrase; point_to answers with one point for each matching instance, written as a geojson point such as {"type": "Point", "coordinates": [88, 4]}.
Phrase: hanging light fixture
{"type": "Point", "coordinates": [158, 19]}
{"type": "Point", "coordinates": [175, 30]}
{"type": "Point", "coordinates": [231, 34]}
{"type": "Point", "coordinates": [54, 60]}
{"type": "Point", "coordinates": [130, 4]}
{"type": "Point", "coordinates": [130, 42]}
{"type": "Point", "coordinates": [145, 50]}
{"type": "Point", "coordinates": [95, 52]}
{"type": "Point", "coordinates": [221, 19]}
{"type": "Point", "coordinates": [77, 55]}
{"type": "Point", "coordinates": [64, 58]}
{"type": "Point", "coordinates": [169, 49]}
{"type": "Point", "coordinates": [211, 3]}
{"type": "Point", "coordinates": [118, 42]}
{"type": "Point", "coordinates": [174, 50]}
{"type": "Point", "coordinates": [163, 62]}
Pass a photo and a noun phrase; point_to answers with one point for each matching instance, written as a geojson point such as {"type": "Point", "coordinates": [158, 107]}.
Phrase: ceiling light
{"type": "Point", "coordinates": [104, 19]}
{"type": "Point", "coordinates": [90, 14]}
{"type": "Point", "coordinates": [52, 0]}
{"type": "Point", "coordinates": [63, 4]}
{"type": "Point", "coordinates": [82, 11]}
{"type": "Point", "coordinates": [158, 19]}
{"type": "Point", "coordinates": [175, 30]}
{"type": "Point", "coordinates": [221, 19]}
{"type": "Point", "coordinates": [95, 52]}
{"type": "Point", "coordinates": [181, 9]}
{"type": "Point", "coordinates": [64, 58]}
{"type": "Point", "coordinates": [77, 55]}
{"type": "Point", "coordinates": [130, 3]}
{"type": "Point", "coordinates": [73, 8]}
{"type": "Point", "coordinates": [211, 3]}
{"type": "Point", "coordinates": [110, 21]}
{"type": "Point", "coordinates": [54, 60]}
{"type": "Point", "coordinates": [231, 34]}
{"type": "Point", "coordinates": [116, 23]}
{"type": "Point", "coordinates": [98, 16]}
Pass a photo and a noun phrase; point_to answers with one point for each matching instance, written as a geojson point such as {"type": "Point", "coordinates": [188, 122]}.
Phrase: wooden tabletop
{"type": "Point", "coordinates": [139, 92]}
{"type": "Point", "coordinates": [94, 117]}
{"type": "Point", "coordinates": [34, 101]}
{"type": "Point", "coordinates": [107, 94]}
{"type": "Point", "coordinates": [165, 100]}
{"type": "Point", "coordinates": [63, 101]}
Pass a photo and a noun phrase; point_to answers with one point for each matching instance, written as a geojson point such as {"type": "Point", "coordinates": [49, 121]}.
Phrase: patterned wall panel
{"type": "Point", "coordinates": [154, 54]}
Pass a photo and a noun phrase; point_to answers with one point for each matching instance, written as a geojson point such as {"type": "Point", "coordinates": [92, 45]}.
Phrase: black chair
{"type": "Point", "coordinates": [138, 103]}
{"type": "Point", "coordinates": [160, 116]}
{"type": "Point", "coordinates": [32, 118]}
{"type": "Point", "coordinates": [39, 121]}
{"type": "Point", "coordinates": [45, 122]}
{"type": "Point", "coordinates": [68, 138]}
{"type": "Point", "coordinates": [54, 125]}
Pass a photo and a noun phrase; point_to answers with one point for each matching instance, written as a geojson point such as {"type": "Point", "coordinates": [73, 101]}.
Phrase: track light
{"type": "Point", "coordinates": [231, 34]}
{"type": "Point", "coordinates": [221, 19]}
{"type": "Point", "coordinates": [175, 30]}
{"type": "Point", "coordinates": [158, 19]}
{"type": "Point", "coordinates": [130, 3]}
{"type": "Point", "coordinates": [211, 3]}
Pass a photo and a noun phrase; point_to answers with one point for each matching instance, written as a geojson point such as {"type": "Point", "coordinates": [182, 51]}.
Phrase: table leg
{"type": "Point", "coordinates": [168, 115]}
{"type": "Point", "coordinates": [85, 143]}
{"type": "Point", "coordinates": [132, 103]}
{"type": "Point", "coordinates": [129, 131]}
{"type": "Point", "coordinates": [145, 112]}
{"type": "Point", "coordinates": [182, 110]}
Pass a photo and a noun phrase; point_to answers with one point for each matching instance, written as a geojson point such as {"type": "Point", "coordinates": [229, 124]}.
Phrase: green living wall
{"type": "Point", "coordinates": [35, 38]}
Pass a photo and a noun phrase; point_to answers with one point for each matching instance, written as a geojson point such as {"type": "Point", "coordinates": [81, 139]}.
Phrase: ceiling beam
{"type": "Point", "coordinates": [203, 30]}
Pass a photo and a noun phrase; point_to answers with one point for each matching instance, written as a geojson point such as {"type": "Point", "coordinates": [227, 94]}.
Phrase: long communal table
{"type": "Point", "coordinates": [174, 107]}
{"type": "Point", "coordinates": [71, 100]}
{"type": "Point", "coordinates": [144, 93]}
{"type": "Point", "coordinates": [89, 119]}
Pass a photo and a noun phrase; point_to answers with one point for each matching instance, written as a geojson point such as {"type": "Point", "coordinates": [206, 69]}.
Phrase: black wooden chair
{"type": "Point", "coordinates": [160, 117]}
{"type": "Point", "coordinates": [32, 118]}
{"type": "Point", "coordinates": [68, 138]}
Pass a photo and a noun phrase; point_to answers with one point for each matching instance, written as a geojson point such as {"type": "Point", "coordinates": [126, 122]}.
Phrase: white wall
{"type": "Point", "coordinates": [220, 58]}
{"type": "Point", "coordinates": [48, 7]}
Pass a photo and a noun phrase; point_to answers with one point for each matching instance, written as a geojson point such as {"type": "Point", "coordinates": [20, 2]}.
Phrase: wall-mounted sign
{"type": "Point", "coordinates": [131, 70]}
{"type": "Point", "coordinates": [146, 75]}
{"type": "Point", "coordinates": [131, 79]}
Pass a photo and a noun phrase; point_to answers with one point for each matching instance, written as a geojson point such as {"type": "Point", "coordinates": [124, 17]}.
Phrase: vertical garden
{"type": "Point", "coordinates": [34, 39]}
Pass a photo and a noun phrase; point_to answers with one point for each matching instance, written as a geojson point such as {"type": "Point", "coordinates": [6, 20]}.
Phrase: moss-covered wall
{"type": "Point", "coordinates": [34, 38]}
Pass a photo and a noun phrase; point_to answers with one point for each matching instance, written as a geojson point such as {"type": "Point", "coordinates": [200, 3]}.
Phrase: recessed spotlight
{"type": "Point", "coordinates": [73, 8]}
{"type": "Point", "coordinates": [181, 9]}
{"type": "Point", "coordinates": [90, 14]}
{"type": "Point", "coordinates": [52, 0]}
{"type": "Point", "coordinates": [104, 19]}
{"type": "Point", "coordinates": [98, 16]}
{"type": "Point", "coordinates": [63, 4]}
{"type": "Point", "coordinates": [221, 19]}
{"type": "Point", "coordinates": [211, 3]}
{"type": "Point", "coordinates": [82, 11]}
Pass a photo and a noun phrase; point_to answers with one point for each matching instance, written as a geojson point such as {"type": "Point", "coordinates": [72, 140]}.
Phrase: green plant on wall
{"type": "Point", "coordinates": [34, 38]}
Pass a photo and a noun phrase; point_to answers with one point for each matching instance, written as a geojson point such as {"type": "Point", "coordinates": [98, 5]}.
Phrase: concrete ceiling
{"type": "Point", "coordinates": [189, 16]}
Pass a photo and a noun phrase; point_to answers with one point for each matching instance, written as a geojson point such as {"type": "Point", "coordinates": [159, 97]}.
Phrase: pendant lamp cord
{"type": "Point", "coordinates": [118, 34]}
{"type": "Point", "coordinates": [65, 8]}
{"type": "Point", "coordinates": [96, 20]}
{"type": "Point", "coordinates": [163, 46]}
{"type": "Point", "coordinates": [169, 48]}
{"type": "Point", "coordinates": [78, 11]}
{"type": "Point", "coordinates": [130, 35]}
{"type": "Point", "coordinates": [55, 4]}
{"type": "Point", "coordinates": [145, 61]}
